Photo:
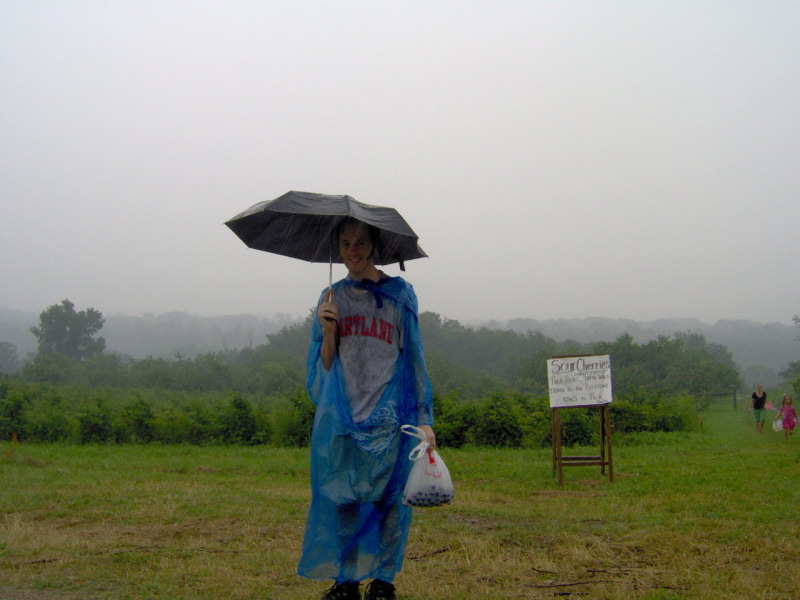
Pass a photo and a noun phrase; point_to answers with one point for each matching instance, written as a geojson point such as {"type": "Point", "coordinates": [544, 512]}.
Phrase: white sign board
{"type": "Point", "coordinates": [579, 380]}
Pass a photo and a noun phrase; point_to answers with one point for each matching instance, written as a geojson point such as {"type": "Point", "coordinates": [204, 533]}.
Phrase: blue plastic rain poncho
{"type": "Point", "coordinates": [357, 525]}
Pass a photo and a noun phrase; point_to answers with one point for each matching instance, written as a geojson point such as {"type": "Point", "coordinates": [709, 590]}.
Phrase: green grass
{"type": "Point", "coordinates": [708, 515]}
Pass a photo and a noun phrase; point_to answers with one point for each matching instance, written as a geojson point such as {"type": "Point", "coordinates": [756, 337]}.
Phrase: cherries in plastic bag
{"type": "Point", "coordinates": [429, 483]}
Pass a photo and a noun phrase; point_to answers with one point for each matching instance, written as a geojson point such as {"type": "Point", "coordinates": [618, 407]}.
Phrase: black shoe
{"type": "Point", "coordinates": [380, 590]}
{"type": "Point", "coordinates": [343, 591]}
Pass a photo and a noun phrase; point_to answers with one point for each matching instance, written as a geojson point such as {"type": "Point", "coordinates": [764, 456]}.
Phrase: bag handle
{"type": "Point", "coordinates": [420, 449]}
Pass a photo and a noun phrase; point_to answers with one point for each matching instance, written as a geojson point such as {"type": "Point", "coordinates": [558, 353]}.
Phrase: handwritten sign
{"type": "Point", "coordinates": [579, 380]}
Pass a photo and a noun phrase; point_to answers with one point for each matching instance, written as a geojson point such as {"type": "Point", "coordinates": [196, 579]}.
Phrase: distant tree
{"type": "Point", "coordinates": [484, 350]}
{"type": "Point", "coordinates": [9, 359]}
{"type": "Point", "coordinates": [63, 330]}
{"type": "Point", "coordinates": [685, 363]}
{"type": "Point", "coordinates": [792, 371]}
{"type": "Point", "coordinates": [293, 339]}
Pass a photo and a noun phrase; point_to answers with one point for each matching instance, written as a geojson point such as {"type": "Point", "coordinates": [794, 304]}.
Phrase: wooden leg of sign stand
{"type": "Point", "coordinates": [603, 425]}
{"type": "Point", "coordinates": [607, 436]}
{"type": "Point", "coordinates": [557, 457]}
{"type": "Point", "coordinates": [604, 458]}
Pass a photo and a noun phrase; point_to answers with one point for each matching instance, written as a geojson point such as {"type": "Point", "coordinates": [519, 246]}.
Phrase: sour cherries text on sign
{"type": "Point", "coordinates": [579, 381]}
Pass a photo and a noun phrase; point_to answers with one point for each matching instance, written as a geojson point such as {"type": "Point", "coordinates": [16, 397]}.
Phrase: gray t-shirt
{"type": "Point", "coordinates": [370, 341]}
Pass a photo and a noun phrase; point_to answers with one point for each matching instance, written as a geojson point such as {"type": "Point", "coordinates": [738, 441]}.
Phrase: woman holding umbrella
{"type": "Point", "coordinates": [367, 376]}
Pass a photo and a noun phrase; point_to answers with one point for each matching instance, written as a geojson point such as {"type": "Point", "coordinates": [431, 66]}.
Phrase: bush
{"type": "Point", "coordinates": [94, 426]}
{"type": "Point", "coordinates": [668, 415]}
{"type": "Point", "coordinates": [47, 421]}
{"type": "Point", "coordinates": [202, 426]}
{"type": "Point", "coordinates": [454, 420]}
{"type": "Point", "coordinates": [535, 419]}
{"type": "Point", "coordinates": [293, 420]}
{"type": "Point", "coordinates": [627, 417]}
{"type": "Point", "coordinates": [500, 423]}
{"type": "Point", "coordinates": [580, 427]}
{"type": "Point", "coordinates": [12, 414]}
{"type": "Point", "coordinates": [678, 414]}
{"type": "Point", "coordinates": [137, 422]}
{"type": "Point", "coordinates": [174, 425]}
{"type": "Point", "coordinates": [238, 424]}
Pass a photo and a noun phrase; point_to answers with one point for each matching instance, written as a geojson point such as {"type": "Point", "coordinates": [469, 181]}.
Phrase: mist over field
{"type": "Point", "coordinates": [558, 160]}
{"type": "Point", "coordinates": [761, 350]}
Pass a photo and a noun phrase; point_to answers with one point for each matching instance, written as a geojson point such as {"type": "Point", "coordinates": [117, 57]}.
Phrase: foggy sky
{"type": "Point", "coordinates": [557, 159]}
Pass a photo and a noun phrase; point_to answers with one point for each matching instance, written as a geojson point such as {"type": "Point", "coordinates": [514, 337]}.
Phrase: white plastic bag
{"type": "Point", "coordinates": [429, 483]}
{"type": "Point", "coordinates": [777, 424]}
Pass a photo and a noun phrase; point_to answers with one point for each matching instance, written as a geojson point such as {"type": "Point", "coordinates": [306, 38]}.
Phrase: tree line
{"type": "Point", "coordinates": [490, 386]}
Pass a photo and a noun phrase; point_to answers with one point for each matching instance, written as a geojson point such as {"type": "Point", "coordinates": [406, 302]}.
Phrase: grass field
{"type": "Point", "coordinates": [709, 515]}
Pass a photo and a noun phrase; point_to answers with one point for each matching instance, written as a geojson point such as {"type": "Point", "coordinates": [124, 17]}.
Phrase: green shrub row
{"type": "Point", "coordinates": [50, 413]}
{"type": "Point", "coordinates": [515, 420]}
{"type": "Point", "coordinates": [53, 413]}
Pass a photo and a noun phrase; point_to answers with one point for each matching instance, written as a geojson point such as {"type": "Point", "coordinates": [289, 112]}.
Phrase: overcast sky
{"type": "Point", "coordinates": [559, 159]}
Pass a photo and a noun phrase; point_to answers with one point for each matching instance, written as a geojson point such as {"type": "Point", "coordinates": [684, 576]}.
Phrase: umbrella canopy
{"type": "Point", "coordinates": [303, 225]}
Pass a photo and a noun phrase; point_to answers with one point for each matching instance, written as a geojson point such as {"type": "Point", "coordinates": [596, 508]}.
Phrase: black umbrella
{"type": "Point", "coordinates": [303, 225]}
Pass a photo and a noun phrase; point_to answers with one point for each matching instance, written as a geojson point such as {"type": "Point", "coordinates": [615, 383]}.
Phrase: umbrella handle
{"type": "Point", "coordinates": [330, 279]}
{"type": "Point", "coordinates": [330, 292]}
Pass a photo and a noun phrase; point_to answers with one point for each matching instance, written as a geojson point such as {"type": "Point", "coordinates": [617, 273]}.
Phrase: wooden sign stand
{"type": "Point", "coordinates": [604, 459]}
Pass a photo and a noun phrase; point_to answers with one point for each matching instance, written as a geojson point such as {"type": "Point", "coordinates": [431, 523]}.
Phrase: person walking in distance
{"type": "Point", "coordinates": [757, 402]}
{"type": "Point", "coordinates": [788, 416]}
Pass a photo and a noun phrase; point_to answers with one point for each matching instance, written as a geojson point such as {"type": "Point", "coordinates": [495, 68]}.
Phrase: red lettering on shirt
{"type": "Point", "coordinates": [386, 332]}
{"type": "Point", "coordinates": [375, 328]}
